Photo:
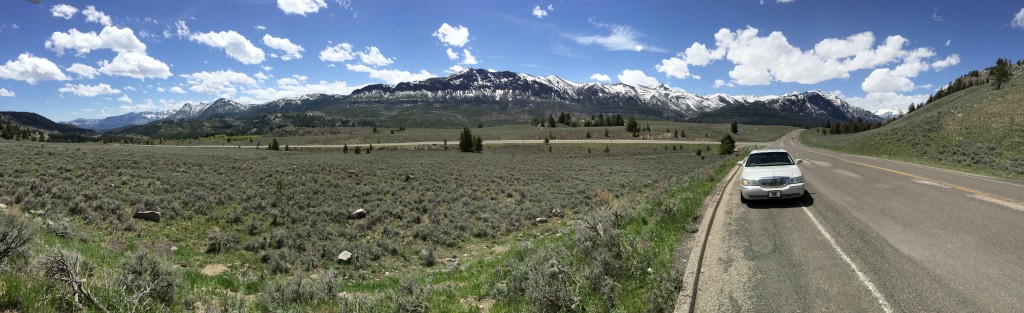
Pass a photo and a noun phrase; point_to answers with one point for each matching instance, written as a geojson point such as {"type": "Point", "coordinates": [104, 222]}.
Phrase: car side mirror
{"type": "Point", "coordinates": [799, 161]}
{"type": "Point", "coordinates": [740, 163]}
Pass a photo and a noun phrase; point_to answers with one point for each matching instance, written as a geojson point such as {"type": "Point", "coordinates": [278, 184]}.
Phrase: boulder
{"type": "Point", "coordinates": [541, 220]}
{"type": "Point", "coordinates": [358, 214]}
{"type": "Point", "coordinates": [3, 206]}
{"type": "Point", "coordinates": [556, 212]}
{"type": "Point", "coordinates": [152, 216]}
{"type": "Point", "coordinates": [345, 257]}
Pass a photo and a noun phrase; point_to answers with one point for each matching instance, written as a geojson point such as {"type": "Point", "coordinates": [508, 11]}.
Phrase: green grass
{"type": "Point", "coordinates": [976, 130]}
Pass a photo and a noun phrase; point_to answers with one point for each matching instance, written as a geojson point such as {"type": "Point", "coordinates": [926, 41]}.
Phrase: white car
{"type": "Point", "coordinates": [770, 174]}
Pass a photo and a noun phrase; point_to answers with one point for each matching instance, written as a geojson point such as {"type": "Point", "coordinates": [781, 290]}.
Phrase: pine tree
{"type": "Point", "coordinates": [344, 148]}
{"type": "Point", "coordinates": [480, 125]}
{"type": "Point", "coordinates": [727, 146]}
{"type": "Point", "coordinates": [368, 149]}
{"type": "Point", "coordinates": [588, 134]}
{"type": "Point", "coordinates": [359, 149]}
{"type": "Point", "coordinates": [734, 128]}
{"type": "Point", "coordinates": [551, 121]}
{"type": "Point", "coordinates": [606, 133]}
{"type": "Point", "coordinates": [466, 140]}
{"type": "Point", "coordinates": [1001, 73]}
{"type": "Point", "coordinates": [478, 145]}
{"type": "Point", "coordinates": [606, 149]}
{"type": "Point", "coordinates": [632, 125]}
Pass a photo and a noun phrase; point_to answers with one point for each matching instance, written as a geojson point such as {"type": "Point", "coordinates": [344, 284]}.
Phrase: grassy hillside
{"type": "Point", "coordinates": [978, 129]}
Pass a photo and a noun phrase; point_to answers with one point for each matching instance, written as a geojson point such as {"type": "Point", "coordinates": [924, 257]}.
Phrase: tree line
{"type": "Point", "coordinates": [566, 119]}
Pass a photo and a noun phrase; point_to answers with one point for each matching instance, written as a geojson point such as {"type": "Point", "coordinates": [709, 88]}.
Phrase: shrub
{"type": "Point", "coordinates": [427, 257]}
{"type": "Point", "coordinates": [15, 232]}
{"type": "Point", "coordinates": [727, 146]}
{"type": "Point", "coordinates": [67, 270]}
{"type": "Point", "coordinates": [410, 296]}
{"type": "Point", "coordinates": [143, 281]}
{"type": "Point", "coordinates": [221, 241]}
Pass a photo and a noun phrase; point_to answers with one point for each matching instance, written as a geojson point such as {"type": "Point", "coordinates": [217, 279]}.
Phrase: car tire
{"type": "Point", "coordinates": [742, 199]}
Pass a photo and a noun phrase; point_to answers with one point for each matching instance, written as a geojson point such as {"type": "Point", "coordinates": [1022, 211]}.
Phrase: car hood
{"type": "Point", "coordinates": [771, 171]}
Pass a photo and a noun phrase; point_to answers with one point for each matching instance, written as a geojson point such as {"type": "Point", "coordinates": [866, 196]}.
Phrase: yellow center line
{"type": "Point", "coordinates": [980, 193]}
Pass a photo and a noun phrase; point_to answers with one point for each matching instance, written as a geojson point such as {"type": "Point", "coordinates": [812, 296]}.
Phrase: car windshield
{"type": "Point", "coordinates": [769, 159]}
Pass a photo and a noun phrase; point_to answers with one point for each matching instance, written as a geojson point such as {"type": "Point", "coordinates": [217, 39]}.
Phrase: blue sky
{"type": "Point", "coordinates": [71, 59]}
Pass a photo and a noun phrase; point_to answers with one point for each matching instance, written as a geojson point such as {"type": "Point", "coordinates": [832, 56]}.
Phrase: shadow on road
{"type": "Point", "coordinates": [806, 200]}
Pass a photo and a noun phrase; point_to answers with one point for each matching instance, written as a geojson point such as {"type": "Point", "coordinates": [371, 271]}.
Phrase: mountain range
{"type": "Point", "coordinates": [473, 95]}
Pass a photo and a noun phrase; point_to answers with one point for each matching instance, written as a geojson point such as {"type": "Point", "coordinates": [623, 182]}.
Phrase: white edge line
{"type": "Point", "coordinates": [863, 278]}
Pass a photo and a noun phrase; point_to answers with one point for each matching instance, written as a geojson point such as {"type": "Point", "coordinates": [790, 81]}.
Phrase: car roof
{"type": "Point", "coordinates": [768, 151]}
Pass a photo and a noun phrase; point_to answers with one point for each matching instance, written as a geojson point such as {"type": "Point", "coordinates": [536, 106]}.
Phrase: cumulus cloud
{"type": "Point", "coordinates": [600, 77]}
{"type": "Point", "coordinates": [176, 89]}
{"type": "Point", "coordinates": [233, 43]}
{"type": "Point", "coordinates": [1018, 20]}
{"type": "Point", "coordinates": [539, 12]}
{"type": "Point", "coordinates": [83, 70]}
{"type": "Point", "coordinates": [300, 7]}
{"type": "Point", "coordinates": [293, 88]}
{"type": "Point", "coordinates": [468, 59]}
{"type": "Point", "coordinates": [6, 93]}
{"type": "Point", "coordinates": [63, 11]}
{"type": "Point", "coordinates": [452, 36]}
{"type": "Point", "coordinates": [674, 67]}
{"type": "Point", "coordinates": [721, 83]}
{"type": "Point", "coordinates": [31, 69]}
{"type": "Point", "coordinates": [452, 55]}
{"type": "Point", "coordinates": [111, 37]}
{"type": "Point", "coordinates": [373, 57]}
{"type": "Point", "coordinates": [338, 53]}
{"type": "Point", "coordinates": [135, 65]}
{"type": "Point", "coordinates": [219, 83]}
{"type": "Point", "coordinates": [621, 38]}
{"type": "Point", "coordinates": [389, 76]}
{"type": "Point", "coordinates": [182, 29]}
{"type": "Point", "coordinates": [125, 99]}
{"type": "Point", "coordinates": [637, 77]}
{"type": "Point", "coordinates": [88, 91]}
{"type": "Point", "coordinates": [291, 50]}
{"type": "Point", "coordinates": [92, 15]}
{"type": "Point", "coordinates": [886, 100]}
{"type": "Point", "coordinates": [884, 80]}
{"type": "Point", "coordinates": [456, 68]}
{"type": "Point", "coordinates": [947, 62]}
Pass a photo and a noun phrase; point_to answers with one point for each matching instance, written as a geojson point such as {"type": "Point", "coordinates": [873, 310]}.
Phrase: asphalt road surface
{"type": "Point", "coordinates": [873, 235]}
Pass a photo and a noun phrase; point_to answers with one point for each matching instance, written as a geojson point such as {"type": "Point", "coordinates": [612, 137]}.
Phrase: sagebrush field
{"type": "Point", "coordinates": [246, 229]}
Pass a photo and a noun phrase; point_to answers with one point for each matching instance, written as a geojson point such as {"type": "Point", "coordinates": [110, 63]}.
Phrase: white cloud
{"type": "Point", "coordinates": [637, 77]}
{"type": "Point", "coordinates": [118, 39]}
{"type": "Point", "coordinates": [260, 76]}
{"type": "Point", "coordinates": [220, 83]}
{"type": "Point", "coordinates": [291, 50]}
{"type": "Point", "coordinates": [389, 76]}
{"type": "Point", "coordinates": [452, 36]}
{"type": "Point", "coordinates": [125, 99]}
{"type": "Point", "coordinates": [301, 7]}
{"type": "Point", "coordinates": [339, 53]}
{"type": "Point", "coordinates": [63, 11]}
{"type": "Point", "coordinates": [233, 43]}
{"type": "Point", "coordinates": [260, 27]}
{"type": "Point", "coordinates": [600, 77]}
{"type": "Point", "coordinates": [31, 69]}
{"type": "Point", "coordinates": [784, 1]}
{"type": "Point", "coordinates": [948, 42]}
{"type": "Point", "coordinates": [674, 67]}
{"type": "Point", "coordinates": [182, 29]}
{"type": "Point", "coordinates": [294, 89]}
{"type": "Point", "coordinates": [373, 57]}
{"type": "Point", "coordinates": [135, 65]}
{"type": "Point", "coordinates": [83, 70]}
{"type": "Point", "coordinates": [840, 48]}
{"type": "Point", "coordinates": [456, 68]}
{"type": "Point", "coordinates": [884, 80]}
{"type": "Point", "coordinates": [699, 55]}
{"type": "Point", "coordinates": [1018, 20]}
{"type": "Point", "coordinates": [951, 60]}
{"type": "Point", "coordinates": [935, 15]}
{"type": "Point", "coordinates": [452, 55]}
{"type": "Point", "coordinates": [6, 93]}
{"type": "Point", "coordinates": [468, 59]}
{"type": "Point", "coordinates": [176, 89]}
{"type": "Point", "coordinates": [721, 83]}
{"type": "Point", "coordinates": [89, 91]}
{"type": "Point", "coordinates": [886, 100]}
{"type": "Point", "coordinates": [92, 15]}
{"type": "Point", "coordinates": [621, 38]}
{"type": "Point", "coordinates": [539, 12]}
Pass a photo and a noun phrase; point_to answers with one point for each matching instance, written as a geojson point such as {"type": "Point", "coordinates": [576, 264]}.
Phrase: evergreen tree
{"type": "Point", "coordinates": [274, 145]}
{"type": "Point", "coordinates": [478, 144]}
{"type": "Point", "coordinates": [551, 121]}
{"type": "Point", "coordinates": [466, 140]}
{"type": "Point", "coordinates": [606, 150]}
{"type": "Point", "coordinates": [359, 149]}
{"type": "Point", "coordinates": [727, 146]}
{"type": "Point", "coordinates": [368, 149]}
{"type": "Point", "coordinates": [287, 148]}
{"type": "Point", "coordinates": [632, 125]}
{"type": "Point", "coordinates": [588, 134]}
{"type": "Point", "coordinates": [606, 133]}
{"type": "Point", "coordinates": [344, 148]}
{"type": "Point", "coordinates": [1001, 73]}
{"type": "Point", "coordinates": [480, 125]}
{"type": "Point", "coordinates": [446, 144]}
{"type": "Point", "coordinates": [734, 128]}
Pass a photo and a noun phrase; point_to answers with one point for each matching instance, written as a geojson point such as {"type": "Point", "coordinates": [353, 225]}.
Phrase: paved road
{"type": "Point", "coordinates": [873, 236]}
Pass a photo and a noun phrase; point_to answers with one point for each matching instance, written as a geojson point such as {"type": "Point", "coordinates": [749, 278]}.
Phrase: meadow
{"type": "Point", "coordinates": [518, 227]}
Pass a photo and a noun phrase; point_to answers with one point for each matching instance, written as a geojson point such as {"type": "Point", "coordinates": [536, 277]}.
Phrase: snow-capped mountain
{"type": "Point", "coordinates": [133, 118]}
{"type": "Point", "coordinates": [887, 113]}
{"type": "Point", "coordinates": [202, 110]}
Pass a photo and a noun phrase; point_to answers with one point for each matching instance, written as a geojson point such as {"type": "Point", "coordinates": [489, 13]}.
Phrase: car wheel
{"type": "Point", "coordinates": [742, 199]}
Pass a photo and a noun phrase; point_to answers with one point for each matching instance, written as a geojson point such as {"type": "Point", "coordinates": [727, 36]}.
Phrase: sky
{"type": "Point", "coordinates": [92, 59]}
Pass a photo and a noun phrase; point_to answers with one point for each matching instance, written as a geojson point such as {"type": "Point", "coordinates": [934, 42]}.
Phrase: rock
{"type": "Point", "coordinates": [358, 214]}
{"type": "Point", "coordinates": [3, 206]}
{"type": "Point", "coordinates": [408, 177]}
{"type": "Point", "coordinates": [557, 212]}
{"type": "Point", "coordinates": [174, 248]}
{"type": "Point", "coordinates": [541, 220]}
{"type": "Point", "coordinates": [152, 216]}
{"type": "Point", "coordinates": [345, 257]}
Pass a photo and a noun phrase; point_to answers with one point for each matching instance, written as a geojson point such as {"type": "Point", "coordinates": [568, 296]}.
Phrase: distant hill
{"type": "Point", "coordinates": [117, 121]}
{"type": "Point", "coordinates": [976, 129]}
{"type": "Point", "coordinates": [494, 97]}
{"type": "Point", "coordinates": [40, 122]}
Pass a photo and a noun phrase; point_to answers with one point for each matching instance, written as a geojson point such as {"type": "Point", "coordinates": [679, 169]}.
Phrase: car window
{"type": "Point", "coordinates": [769, 159]}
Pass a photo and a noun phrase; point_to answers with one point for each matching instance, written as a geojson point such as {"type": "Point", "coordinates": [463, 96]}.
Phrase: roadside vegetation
{"type": "Point", "coordinates": [554, 227]}
{"type": "Point", "coordinates": [974, 125]}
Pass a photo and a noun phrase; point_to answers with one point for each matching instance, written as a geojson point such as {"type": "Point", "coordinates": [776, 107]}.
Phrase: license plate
{"type": "Point", "coordinates": [775, 194]}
